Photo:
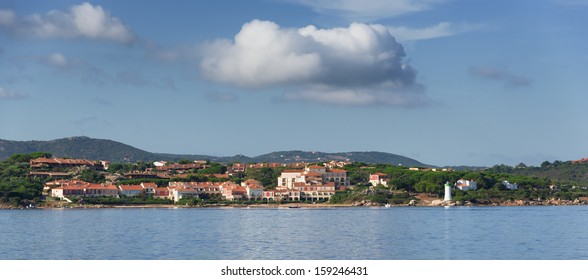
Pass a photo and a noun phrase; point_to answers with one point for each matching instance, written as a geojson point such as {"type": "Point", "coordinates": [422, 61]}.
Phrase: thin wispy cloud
{"type": "Point", "coordinates": [135, 78]}
{"type": "Point", "coordinates": [442, 29]}
{"type": "Point", "coordinates": [82, 69]}
{"type": "Point", "coordinates": [6, 94]}
{"type": "Point", "coordinates": [57, 60]}
{"type": "Point", "coordinates": [90, 124]}
{"type": "Point", "coordinates": [368, 10]}
{"type": "Point", "coordinates": [80, 21]}
{"type": "Point", "coordinates": [221, 97]}
{"type": "Point", "coordinates": [356, 65]}
{"type": "Point", "coordinates": [502, 75]}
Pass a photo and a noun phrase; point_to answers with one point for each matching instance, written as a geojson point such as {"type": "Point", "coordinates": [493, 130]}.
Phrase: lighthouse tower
{"type": "Point", "coordinates": [447, 192]}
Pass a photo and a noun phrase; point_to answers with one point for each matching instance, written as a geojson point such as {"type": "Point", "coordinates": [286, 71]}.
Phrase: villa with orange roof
{"type": "Point", "coordinates": [466, 185]}
{"type": "Point", "coordinates": [131, 190]}
{"type": "Point", "coordinates": [379, 179]}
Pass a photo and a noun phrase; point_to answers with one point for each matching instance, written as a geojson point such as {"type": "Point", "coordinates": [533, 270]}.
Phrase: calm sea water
{"type": "Point", "coordinates": [350, 233]}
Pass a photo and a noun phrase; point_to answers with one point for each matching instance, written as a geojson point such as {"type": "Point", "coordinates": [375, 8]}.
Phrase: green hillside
{"type": "Point", "coordinates": [90, 148]}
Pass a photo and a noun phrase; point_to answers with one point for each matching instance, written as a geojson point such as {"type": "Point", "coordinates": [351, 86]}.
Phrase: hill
{"type": "Point", "coordinates": [367, 157]}
{"type": "Point", "coordinates": [90, 148]}
{"type": "Point", "coordinates": [574, 173]}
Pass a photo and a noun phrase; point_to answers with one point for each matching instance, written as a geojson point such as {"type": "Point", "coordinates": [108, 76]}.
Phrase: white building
{"type": "Point", "coordinates": [311, 184]}
{"type": "Point", "coordinates": [509, 186]}
{"type": "Point", "coordinates": [313, 174]}
{"type": "Point", "coordinates": [379, 179]}
{"type": "Point", "coordinates": [466, 185]}
{"type": "Point", "coordinates": [289, 177]}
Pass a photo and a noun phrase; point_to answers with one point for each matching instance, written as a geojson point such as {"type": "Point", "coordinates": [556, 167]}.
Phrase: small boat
{"type": "Point", "coordinates": [294, 206]}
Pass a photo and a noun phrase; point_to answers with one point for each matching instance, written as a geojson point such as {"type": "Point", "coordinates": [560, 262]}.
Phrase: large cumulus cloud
{"type": "Point", "coordinates": [356, 65]}
{"type": "Point", "coordinates": [81, 21]}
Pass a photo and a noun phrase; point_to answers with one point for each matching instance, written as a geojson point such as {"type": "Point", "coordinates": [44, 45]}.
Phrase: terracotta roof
{"type": "Point", "coordinates": [131, 187]}
{"type": "Point", "coordinates": [315, 167]}
{"type": "Point", "coordinates": [338, 171]}
{"type": "Point", "coordinates": [149, 185]}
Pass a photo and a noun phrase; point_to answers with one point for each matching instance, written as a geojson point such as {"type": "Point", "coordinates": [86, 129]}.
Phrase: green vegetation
{"type": "Point", "coordinates": [15, 187]}
{"type": "Point", "coordinates": [90, 148]}
{"type": "Point", "coordinates": [534, 183]}
{"type": "Point", "coordinates": [561, 171]}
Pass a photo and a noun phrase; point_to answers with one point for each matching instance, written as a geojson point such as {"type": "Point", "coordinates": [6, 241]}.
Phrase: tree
{"type": "Point", "coordinates": [91, 176]}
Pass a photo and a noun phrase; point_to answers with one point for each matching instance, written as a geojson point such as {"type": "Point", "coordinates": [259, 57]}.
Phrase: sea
{"type": "Point", "coordinates": [353, 233]}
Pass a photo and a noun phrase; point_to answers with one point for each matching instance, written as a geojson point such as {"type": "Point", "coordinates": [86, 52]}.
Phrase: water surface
{"type": "Point", "coordinates": [427, 233]}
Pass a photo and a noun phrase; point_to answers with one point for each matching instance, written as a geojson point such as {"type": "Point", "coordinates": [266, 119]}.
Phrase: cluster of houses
{"type": "Point", "coordinates": [313, 183]}
{"type": "Point", "coordinates": [249, 190]}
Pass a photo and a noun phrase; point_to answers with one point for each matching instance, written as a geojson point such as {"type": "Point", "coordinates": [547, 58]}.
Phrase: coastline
{"type": "Point", "coordinates": [361, 204]}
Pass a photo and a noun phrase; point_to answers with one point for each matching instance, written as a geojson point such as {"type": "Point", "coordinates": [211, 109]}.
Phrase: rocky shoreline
{"type": "Point", "coordinates": [363, 203]}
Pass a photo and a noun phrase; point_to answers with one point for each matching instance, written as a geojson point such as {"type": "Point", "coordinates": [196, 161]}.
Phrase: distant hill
{"type": "Point", "coordinates": [367, 157]}
{"type": "Point", "coordinates": [90, 148]}
{"type": "Point", "coordinates": [575, 173]}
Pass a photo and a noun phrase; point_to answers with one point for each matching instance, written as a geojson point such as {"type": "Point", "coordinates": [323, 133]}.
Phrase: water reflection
{"type": "Point", "coordinates": [350, 233]}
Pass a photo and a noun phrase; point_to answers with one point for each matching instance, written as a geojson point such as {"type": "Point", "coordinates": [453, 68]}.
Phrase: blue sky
{"type": "Point", "coordinates": [445, 82]}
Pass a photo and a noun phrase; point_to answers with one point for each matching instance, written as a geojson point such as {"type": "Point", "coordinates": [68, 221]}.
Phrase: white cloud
{"type": "Point", "coordinates": [81, 21]}
{"type": "Point", "coordinates": [368, 9]}
{"type": "Point", "coordinates": [9, 94]}
{"type": "Point", "coordinates": [442, 29]}
{"type": "Point", "coordinates": [7, 17]}
{"type": "Point", "coordinates": [262, 54]}
{"type": "Point", "coordinates": [57, 59]}
{"type": "Point", "coordinates": [357, 65]}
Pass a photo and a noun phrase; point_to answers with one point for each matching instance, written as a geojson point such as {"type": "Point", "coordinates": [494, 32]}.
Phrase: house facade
{"type": "Point", "coordinates": [466, 185]}
{"type": "Point", "coordinates": [379, 179]}
{"type": "Point", "coordinates": [131, 190]}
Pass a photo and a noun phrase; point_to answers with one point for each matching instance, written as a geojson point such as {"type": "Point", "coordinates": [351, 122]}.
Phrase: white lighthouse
{"type": "Point", "coordinates": [447, 192]}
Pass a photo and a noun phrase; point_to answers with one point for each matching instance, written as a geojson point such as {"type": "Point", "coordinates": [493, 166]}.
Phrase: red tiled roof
{"type": "Point", "coordinates": [338, 171]}
{"type": "Point", "coordinates": [316, 167]}
{"type": "Point", "coordinates": [149, 185]}
{"type": "Point", "coordinates": [131, 187]}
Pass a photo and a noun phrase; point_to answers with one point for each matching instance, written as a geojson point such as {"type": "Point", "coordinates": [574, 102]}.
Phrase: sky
{"type": "Point", "coordinates": [446, 82]}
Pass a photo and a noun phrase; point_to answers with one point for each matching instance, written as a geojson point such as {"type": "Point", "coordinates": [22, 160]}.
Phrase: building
{"type": "Point", "coordinates": [314, 183]}
{"type": "Point", "coordinates": [161, 193]}
{"type": "Point", "coordinates": [131, 190]}
{"type": "Point", "coordinates": [509, 186]}
{"type": "Point", "coordinates": [232, 191]}
{"type": "Point", "coordinates": [466, 185]}
{"type": "Point", "coordinates": [314, 174]}
{"type": "Point", "coordinates": [179, 193]}
{"type": "Point", "coordinates": [149, 188]}
{"type": "Point", "coordinates": [289, 177]}
{"type": "Point", "coordinates": [101, 190]}
{"type": "Point", "coordinates": [253, 189]}
{"type": "Point", "coordinates": [61, 163]}
{"type": "Point", "coordinates": [179, 168]}
{"type": "Point", "coordinates": [379, 179]}
{"type": "Point", "coordinates": [80, 188]}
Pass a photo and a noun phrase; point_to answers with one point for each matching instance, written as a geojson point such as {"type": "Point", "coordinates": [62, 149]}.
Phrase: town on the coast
{"type": "Point", "coordinates": [40, 180]}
